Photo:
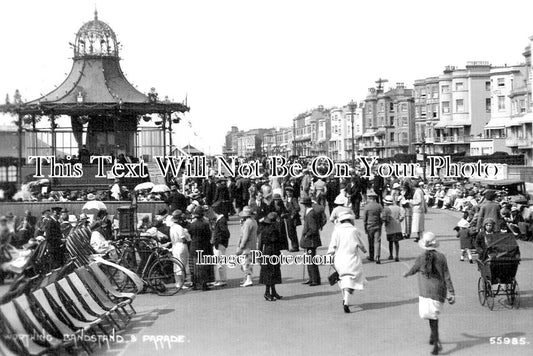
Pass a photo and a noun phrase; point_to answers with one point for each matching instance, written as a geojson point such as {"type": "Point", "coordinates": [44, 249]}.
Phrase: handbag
{"type": "Point", "coordinates": [334, 277]}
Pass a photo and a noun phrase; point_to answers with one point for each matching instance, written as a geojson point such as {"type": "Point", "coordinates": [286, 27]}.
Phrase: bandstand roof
{"type": "Point", "coordinates": [96, 83]}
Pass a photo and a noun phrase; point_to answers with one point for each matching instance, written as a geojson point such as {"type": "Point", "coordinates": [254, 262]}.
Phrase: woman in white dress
{"type": "Point", "coordinates": [345, 245]}
{"type": "Point", "coordinates": [179, 237]}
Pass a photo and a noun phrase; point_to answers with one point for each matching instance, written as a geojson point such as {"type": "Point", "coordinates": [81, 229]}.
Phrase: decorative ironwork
{"type": "Point", "coordinates": [96, 38]}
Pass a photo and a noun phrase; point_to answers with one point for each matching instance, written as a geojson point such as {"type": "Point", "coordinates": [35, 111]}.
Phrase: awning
{"type": "Point", "coordinates": [497, 123]}
{"type": "Point", "coordinates": [440, 125]}
{"type": "Point", "coordinates": [369, 134]}
{"type": "Point", "coordinates": [527, 118]}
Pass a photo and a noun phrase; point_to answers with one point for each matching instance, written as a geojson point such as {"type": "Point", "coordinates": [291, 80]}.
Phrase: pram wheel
{"type": "Point", "coordinates": [489, 295]}
{"type": "Point", "coordinates": [513, 294]}
{"type": "Point", "coordinates": [481, 291]}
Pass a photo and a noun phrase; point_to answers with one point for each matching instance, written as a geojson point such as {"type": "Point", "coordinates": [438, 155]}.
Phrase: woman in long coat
{"type": "Point", "coordinates": [419, 211]}
{"type": "Point", "coordinates": [270, 245]}
{"type": "Point", "coordinates": [345, 245]}
{"type": "Point", "coordinates": [200, 241]}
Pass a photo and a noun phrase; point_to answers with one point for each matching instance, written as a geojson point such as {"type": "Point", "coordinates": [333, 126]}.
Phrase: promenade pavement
{"type": "Point", "coordinates": [310, 321]}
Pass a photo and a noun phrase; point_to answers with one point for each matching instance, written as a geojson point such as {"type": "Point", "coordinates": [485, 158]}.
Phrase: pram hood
{"type": "Point", "coordinates": [502, 246]}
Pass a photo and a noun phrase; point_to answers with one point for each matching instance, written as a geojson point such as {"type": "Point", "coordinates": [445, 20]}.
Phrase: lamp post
{"type": "Point", "coordinates": [352, 105]}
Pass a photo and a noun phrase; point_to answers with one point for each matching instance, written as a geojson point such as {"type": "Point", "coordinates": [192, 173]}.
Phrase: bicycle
{"type": "Point", "coordinates": [154, 264]}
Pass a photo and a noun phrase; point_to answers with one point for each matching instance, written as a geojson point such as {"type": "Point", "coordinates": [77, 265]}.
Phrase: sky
{"type": "Point", "coordinates": [255, 64]}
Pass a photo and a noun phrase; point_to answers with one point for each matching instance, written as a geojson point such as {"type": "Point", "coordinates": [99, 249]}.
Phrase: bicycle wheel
{"type": "Point", "coordinates": [163, 275]}
{"type": "Point", "coordinates": [481, 291]}
{"type": "Point", "coordinates": [120, 280]}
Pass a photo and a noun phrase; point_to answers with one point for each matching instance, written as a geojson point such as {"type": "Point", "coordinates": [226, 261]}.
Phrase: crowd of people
{"type": "Point", "coordinates": [270, 210]}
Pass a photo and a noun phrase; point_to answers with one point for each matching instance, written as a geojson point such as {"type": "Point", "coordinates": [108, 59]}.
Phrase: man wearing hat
{"type": "Point", "coordinates": [242, 195]}
{"type": "Point", "coordinates": [372, 223]}
{"type": "Point", "coordinates": [332, 190]}
{"type": "Point", "coordinates": [222, 196]}
{"type": "Point", "coordinates": [209, 188]}
{"type": "Point", "coordinates": [293, 218]}
{"type": "Point", "coordinates": [311, 239]}
{"type": "Point", "coordinates": [54, 238]}
{"type": "Point", "coordinates": [247, 242]}
{"type": "Point", "coordinates": [354, 191]}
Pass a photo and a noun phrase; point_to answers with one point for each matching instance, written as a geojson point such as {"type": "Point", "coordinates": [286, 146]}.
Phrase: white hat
{"type": "Point", "coordinates": [396, 185]}
{"type": "Point", "coordinates": [463, 223]}
{"type": "Point", "coordinates": [341, 199]}
{"type": "Point", "coordinates": [91, 196]}
{"type": "Point", "coordinates": [428, 241]}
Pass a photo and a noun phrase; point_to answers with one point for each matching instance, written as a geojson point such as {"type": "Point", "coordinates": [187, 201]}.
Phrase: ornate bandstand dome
{"type": "Point", "coordinates": [95, 38]}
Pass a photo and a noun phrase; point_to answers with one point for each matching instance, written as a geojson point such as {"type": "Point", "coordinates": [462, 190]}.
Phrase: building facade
{"type": "Point", "coordinates": [388, 122]}
{"type": "Point", "coordinates": [464, 101]}
{"type": "Point", "coordinates": [426, 98]}
{"type": "Point", "coordinates": [519, 129]}
{"type": "Point", "coordinates": [306, 132]}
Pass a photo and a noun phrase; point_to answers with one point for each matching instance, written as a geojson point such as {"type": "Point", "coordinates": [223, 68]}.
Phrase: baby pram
{"type": "Point", "coordinates": [498, 270]}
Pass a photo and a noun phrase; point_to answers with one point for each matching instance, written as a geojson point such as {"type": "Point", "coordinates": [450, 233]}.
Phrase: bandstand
{"type": "Point", "coordinates": [104, 108]}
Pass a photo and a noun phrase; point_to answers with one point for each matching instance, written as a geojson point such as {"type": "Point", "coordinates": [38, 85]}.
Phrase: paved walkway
{"type": "Point", "coordinates": [310, 320]}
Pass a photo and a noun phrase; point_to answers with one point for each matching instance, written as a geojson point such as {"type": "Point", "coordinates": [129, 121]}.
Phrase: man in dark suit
{"type": "Point", "coordinates": [354, 190]}
{"type": "Point", "coordinates": [310, 240]}
{"type": "Point", "coordinates": [54, 236]}
{"type": "Point", "coordinates": [332, 190]}
{"type": "Point", "coordinates": [222, 196]}
{"type": "Point", "coordinates": [209, 188]}
{"type": "Point", "coordinates": [378, 185]}
{"type": "Point", "coordinates": [372, 223]}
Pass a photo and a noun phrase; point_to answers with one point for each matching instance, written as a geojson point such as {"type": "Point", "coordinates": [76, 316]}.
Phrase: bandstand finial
{"type": "Point", "coordinates": [95, 13]}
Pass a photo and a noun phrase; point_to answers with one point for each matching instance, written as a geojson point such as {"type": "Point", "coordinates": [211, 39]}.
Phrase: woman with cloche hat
{"type": "Point", "coordinates": [345, 245]}
{"type": "Point", "coordinates": [270, 245]}
{"type": "Point", "coordinates": [434, 282]}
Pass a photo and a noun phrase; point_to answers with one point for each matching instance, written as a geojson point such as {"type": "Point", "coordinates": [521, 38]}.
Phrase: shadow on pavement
{"type": "Point", "coordinates": [373, 306]}
{"type": "Point", "coordinates": [311, 295]}
{"type": "Point", "coordinates": [474, 341]}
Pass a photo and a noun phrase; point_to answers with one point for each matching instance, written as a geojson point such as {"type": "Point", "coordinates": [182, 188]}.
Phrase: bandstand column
{"type": "Point", "coordinates": [19, 161]}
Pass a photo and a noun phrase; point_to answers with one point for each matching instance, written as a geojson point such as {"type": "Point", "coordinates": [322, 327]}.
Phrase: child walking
{"type": "Point", "coordinates": [465, 239]}
{"type": "Point", "coordinates": [433, 282]}
{"type": "Point", "coordinates": [392, 216]}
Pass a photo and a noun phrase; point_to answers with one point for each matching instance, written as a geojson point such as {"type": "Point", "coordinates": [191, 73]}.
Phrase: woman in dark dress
{"type": "Point", "coordinates": [200, 241]}
{"type": "Point", "coordinates": [270, 245]}
{"type": "Point", "coordinates": [283, 215]}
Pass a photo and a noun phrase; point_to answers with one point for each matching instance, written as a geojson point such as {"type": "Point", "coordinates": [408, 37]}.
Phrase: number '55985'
{"type": "Point", "coordinates": [508, 341]}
